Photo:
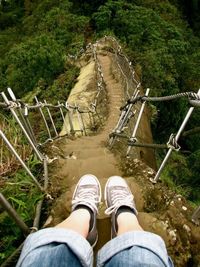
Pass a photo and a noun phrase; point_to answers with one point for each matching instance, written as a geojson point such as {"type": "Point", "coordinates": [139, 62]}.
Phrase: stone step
{"type": "Point", "coordinates": [73, 169]}
{"type": "Point", "coordinates": [90, 153]}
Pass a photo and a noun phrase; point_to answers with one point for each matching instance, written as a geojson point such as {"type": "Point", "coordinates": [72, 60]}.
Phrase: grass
{"type": "Point", "coordinates": [23, 195]}
{"type": "Point", "coordinates": [8, 162]}
{"type": "Point", "coordinates": [177, 176]}
{"type": "Point", "coordinates": [16, 185]}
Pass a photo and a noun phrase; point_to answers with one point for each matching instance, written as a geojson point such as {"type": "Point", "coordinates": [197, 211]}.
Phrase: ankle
{"type": "Point", "coordinates": [123, 209]}
{"type": "Point", "coordinates": [127, 222]}
{"type": "Point", "coordinates": [84, 207]}
{"type": "Point", "coordinates": [78, 221]}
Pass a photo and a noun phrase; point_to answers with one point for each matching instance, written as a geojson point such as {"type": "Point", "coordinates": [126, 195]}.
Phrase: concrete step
{"type": "Point", "coordinates": [91, 153]}
{"type": "Point", "coordinates": [100, 166]}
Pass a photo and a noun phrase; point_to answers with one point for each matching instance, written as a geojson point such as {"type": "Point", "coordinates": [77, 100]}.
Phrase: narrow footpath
{"type": "Point", "coordinates": [160, 211]}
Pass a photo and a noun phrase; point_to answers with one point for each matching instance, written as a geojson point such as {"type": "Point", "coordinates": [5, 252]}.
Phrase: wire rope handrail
{"type": "Point", "coordinates": [132, 110]}
{"type": "Point", "coordinates": [132, 90]}
{"type": "Point", "coordinates": [21, 111]}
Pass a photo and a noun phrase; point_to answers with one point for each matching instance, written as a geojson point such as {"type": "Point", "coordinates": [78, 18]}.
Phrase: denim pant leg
{"type": "Point", "coordinates": [56, 247]}
{"type": "Point", "coordinates": [134, 249]}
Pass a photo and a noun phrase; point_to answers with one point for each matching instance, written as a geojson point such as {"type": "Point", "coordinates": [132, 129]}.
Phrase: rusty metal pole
{"type": "Point", "coordinates": [40, 156]}
{"type": "Point", "coordinates": [189, 113]}
{"type": "Point", "coordinates": [63, 118]}
{"type": "Point", "coordinates": [44, 119]}
{"type": "Point", "coordinates": [11, 211]}
{"type": "Point", "coordinates": [24, 117]}
{"type": "Point", "coordinates": [11, 148]}
{"type": "Point", "coordinates": [70, 117]}
{"type": "Point", "coordinates": [137, 122]}
{"type": "Point", "coordinates": [51, 119]}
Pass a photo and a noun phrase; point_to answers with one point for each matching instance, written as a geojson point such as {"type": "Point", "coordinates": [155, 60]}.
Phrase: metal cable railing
{"type": "Point", "coordinates": [127, 125]}
{"type": "Point", "coordinates": [132, 111]}
{"type": "Point", "coordinates": [26, 114]}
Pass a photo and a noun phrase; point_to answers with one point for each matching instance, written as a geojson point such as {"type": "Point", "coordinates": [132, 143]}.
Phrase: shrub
{"type": "Point", "coordinates": [38, 58]}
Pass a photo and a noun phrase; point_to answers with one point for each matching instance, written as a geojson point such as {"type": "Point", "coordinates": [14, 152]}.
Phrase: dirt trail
{"type": "Point", "coordinates": [90, 151]}
{"type": "Point", "coordinates": [89, 154]}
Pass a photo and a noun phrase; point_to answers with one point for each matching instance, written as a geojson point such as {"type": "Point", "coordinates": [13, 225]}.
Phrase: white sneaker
{"type": "Point", "coordinates": [117, 194]}
{"type": "Point", "coordinates": [88, 193]}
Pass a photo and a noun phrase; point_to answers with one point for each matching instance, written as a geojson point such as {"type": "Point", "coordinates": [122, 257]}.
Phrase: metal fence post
{"type": "Point", "coordinates": [24, 118]}
{"type": "Point", "coordinates": [176, 138]}
{"type": "Point", "coordinates": [11, 148]}
{"type": "Point", "coordinates": [51, 119]}
{"type": "Point", "coordinates": [30, 127]}
{"type": "Point", "coordinates": [36, 221]}
{"type": "Point", "coordinates": [22, 127]}
{"type": "Point", "coordinates": [6, 205]}
{"type": "Point", "coordinates": [63, 118]}
{"type": "Point", "coordinates": [122, 120]}
{"type": "Point", "coordinates": [72, 131]}
{"type": "Point", "coordinates": [84, 128]}
{"type": "Point", "coordinates": [137, 122]}
{"type": "Point", "coordinates": [127, 113]}
{"type": "Point", "coordinates": [79, 119]}
{"type": "Point", "coordinates": [43, 117]}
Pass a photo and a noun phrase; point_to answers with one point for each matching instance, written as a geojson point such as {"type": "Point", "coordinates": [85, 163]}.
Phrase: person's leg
{"type": "Point", "coordinates": [121, 206]}
{"type": "Point", "coordinates": [65, 244]}
{"type": "Point", "coordinates": [127, 222]}
{"type": "Point", "coordinates": [130, 246]}
{"type": "Point", "coordinates": [77, 221]}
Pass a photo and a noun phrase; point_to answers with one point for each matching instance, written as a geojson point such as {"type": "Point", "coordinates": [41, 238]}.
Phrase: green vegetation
{"type": "Point", "coordinates": [16, 186]}
{"type": "Point", "coordinates": [164, 46]}
{"type": "Point", "coordinates": [35, 49]}
{"type": "Point", "coordinates": [161, 38]}
{"type": "Point", "coordinates": [23, 195]}
{"type": "Point", "coordinates": [35, 58]}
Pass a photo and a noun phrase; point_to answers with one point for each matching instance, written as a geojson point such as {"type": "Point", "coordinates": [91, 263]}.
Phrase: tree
{"type": "Point", "coordinates": [38, 58]}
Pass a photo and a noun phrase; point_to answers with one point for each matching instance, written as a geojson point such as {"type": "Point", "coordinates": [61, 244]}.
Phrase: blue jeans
{"type": "Point", "coordinates": [58, 247]}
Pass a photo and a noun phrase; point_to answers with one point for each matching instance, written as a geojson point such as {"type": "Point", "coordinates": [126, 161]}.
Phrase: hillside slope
{"type": "Point", "coordinates": [160, 211]}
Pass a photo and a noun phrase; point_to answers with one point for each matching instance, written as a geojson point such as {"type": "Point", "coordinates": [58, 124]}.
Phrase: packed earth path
{"type": "Point", "coordinates": [160, 210]}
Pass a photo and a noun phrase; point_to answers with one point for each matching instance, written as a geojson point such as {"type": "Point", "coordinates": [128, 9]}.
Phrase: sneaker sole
{"type": "Point", "coordinates": [95, 241]}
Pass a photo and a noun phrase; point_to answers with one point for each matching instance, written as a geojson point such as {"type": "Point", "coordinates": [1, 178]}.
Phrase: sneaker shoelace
{"type": "Point", "coordinates": [119, 198]}
{"type": "Point", "coordinates": [87, 196]}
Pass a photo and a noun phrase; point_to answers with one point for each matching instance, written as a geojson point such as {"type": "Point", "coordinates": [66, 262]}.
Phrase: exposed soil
{"type": "Point", "coordinates": [160, 210]}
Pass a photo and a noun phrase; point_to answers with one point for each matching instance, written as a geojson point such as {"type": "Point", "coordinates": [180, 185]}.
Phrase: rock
{"type": "Point", "coordinates": [52, 160]}
{"type": "Point", "coordinates": [165, 225]}
{"type": "Point", "coordinates": [48, 221]}
{"type": "Point", "coordinates": [173, 237]}
{"type": "Point", "coordinates": [187, 229]}
{"type": "Point", "coordinates": [179, 197]}
{"type": "Point", "coordinates": [150, 172]}
{"type": "Point", "coordinates": [136, 161]}
{"type": "Point", "coordinates": [184, 208]}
